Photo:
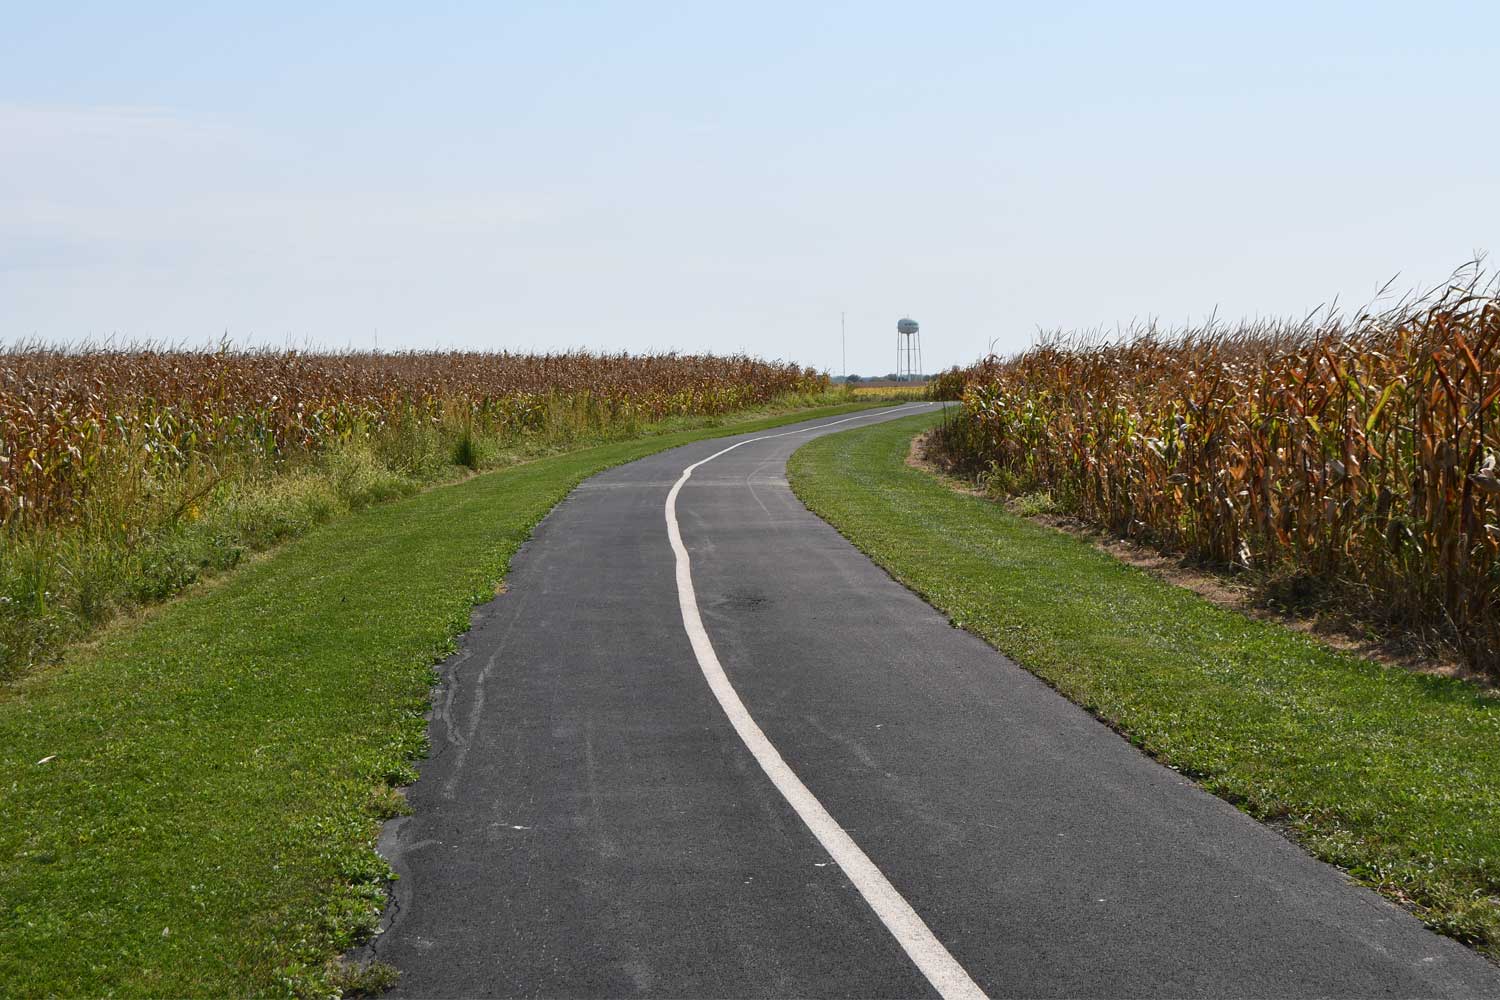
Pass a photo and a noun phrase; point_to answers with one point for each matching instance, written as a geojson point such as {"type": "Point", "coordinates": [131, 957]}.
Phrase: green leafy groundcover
{"type": "Point", "coordinates": [1394, 776]}
{"type": "Point", "coordinates": [189, 806]}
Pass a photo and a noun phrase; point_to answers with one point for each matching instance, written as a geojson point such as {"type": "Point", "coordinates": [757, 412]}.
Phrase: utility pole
{"type": "Point", "coordinates": [843, 347]}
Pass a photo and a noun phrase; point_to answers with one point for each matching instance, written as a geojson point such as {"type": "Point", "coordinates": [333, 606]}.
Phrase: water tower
{"type": "Point", "coordinates": [908, 350]}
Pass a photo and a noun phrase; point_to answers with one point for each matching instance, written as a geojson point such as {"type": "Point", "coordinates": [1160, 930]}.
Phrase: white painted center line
{"type": "Point", "coordinates": [911, 932]}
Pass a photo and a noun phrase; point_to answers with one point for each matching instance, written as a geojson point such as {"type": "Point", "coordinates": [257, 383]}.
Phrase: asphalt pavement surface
{"type": "Point", "coordinates": [591, 823]}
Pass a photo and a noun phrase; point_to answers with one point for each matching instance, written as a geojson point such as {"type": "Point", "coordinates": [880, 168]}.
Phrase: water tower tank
{"type": "Point", "coordinates": [908, 351]}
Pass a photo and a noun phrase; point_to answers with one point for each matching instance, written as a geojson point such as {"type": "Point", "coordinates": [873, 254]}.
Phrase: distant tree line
{"type": "Point", "coordinates": [888, 377]}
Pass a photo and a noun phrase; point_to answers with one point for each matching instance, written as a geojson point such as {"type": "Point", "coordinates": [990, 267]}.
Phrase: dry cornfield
{"type": "Point", "coordinates": [126, 475]}
{"type": "Point", "coordinates": [868, 393]}
{"type": "Point", "coordinates": [1355, 459]}
{"type": "Point", "coordinates": [69, 419]}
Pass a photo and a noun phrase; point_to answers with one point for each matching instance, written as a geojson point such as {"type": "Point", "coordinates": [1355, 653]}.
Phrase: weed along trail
{"type": "Point", "coordinates": [721, 753]}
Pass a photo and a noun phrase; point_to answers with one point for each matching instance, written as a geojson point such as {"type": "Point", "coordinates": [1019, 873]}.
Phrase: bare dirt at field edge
{"type": "Point", "coordinates": [1223, 589]}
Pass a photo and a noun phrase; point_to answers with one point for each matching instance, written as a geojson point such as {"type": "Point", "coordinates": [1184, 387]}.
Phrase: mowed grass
{"type": "Point", "coordinates": [1391, 775]}
{"type": "Point", "coordinates": [189, 806]}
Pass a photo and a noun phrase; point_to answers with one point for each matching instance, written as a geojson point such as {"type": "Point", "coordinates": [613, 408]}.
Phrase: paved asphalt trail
{"type": "Point", "coordinates": [590, 823]}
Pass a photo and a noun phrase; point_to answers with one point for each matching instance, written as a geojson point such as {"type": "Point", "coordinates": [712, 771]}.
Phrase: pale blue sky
{"type": "Point", "coordinates": [726, 177]}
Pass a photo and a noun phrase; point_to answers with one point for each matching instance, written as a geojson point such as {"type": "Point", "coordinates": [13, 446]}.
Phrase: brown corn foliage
{"type": "Point", "coordinates": [66, 416]}
{"type": "Point", "coordinates": [1359, 454]}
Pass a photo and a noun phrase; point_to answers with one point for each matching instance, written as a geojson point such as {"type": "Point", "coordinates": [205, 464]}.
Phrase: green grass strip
{"type": "Point", "coordinates": [205, 824]}
{"type": "Point", "coordinates": [1391, 775]}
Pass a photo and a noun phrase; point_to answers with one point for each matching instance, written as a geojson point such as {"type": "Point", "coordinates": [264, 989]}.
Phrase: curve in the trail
{"type": "Point", "coordinates": [905, 925]}
{"type": "Point", "coordinates": [914, 813]}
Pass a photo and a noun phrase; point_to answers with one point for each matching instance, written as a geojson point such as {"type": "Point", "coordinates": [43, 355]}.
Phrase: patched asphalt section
{"type": "Point", "coordinates": [589, 824]}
